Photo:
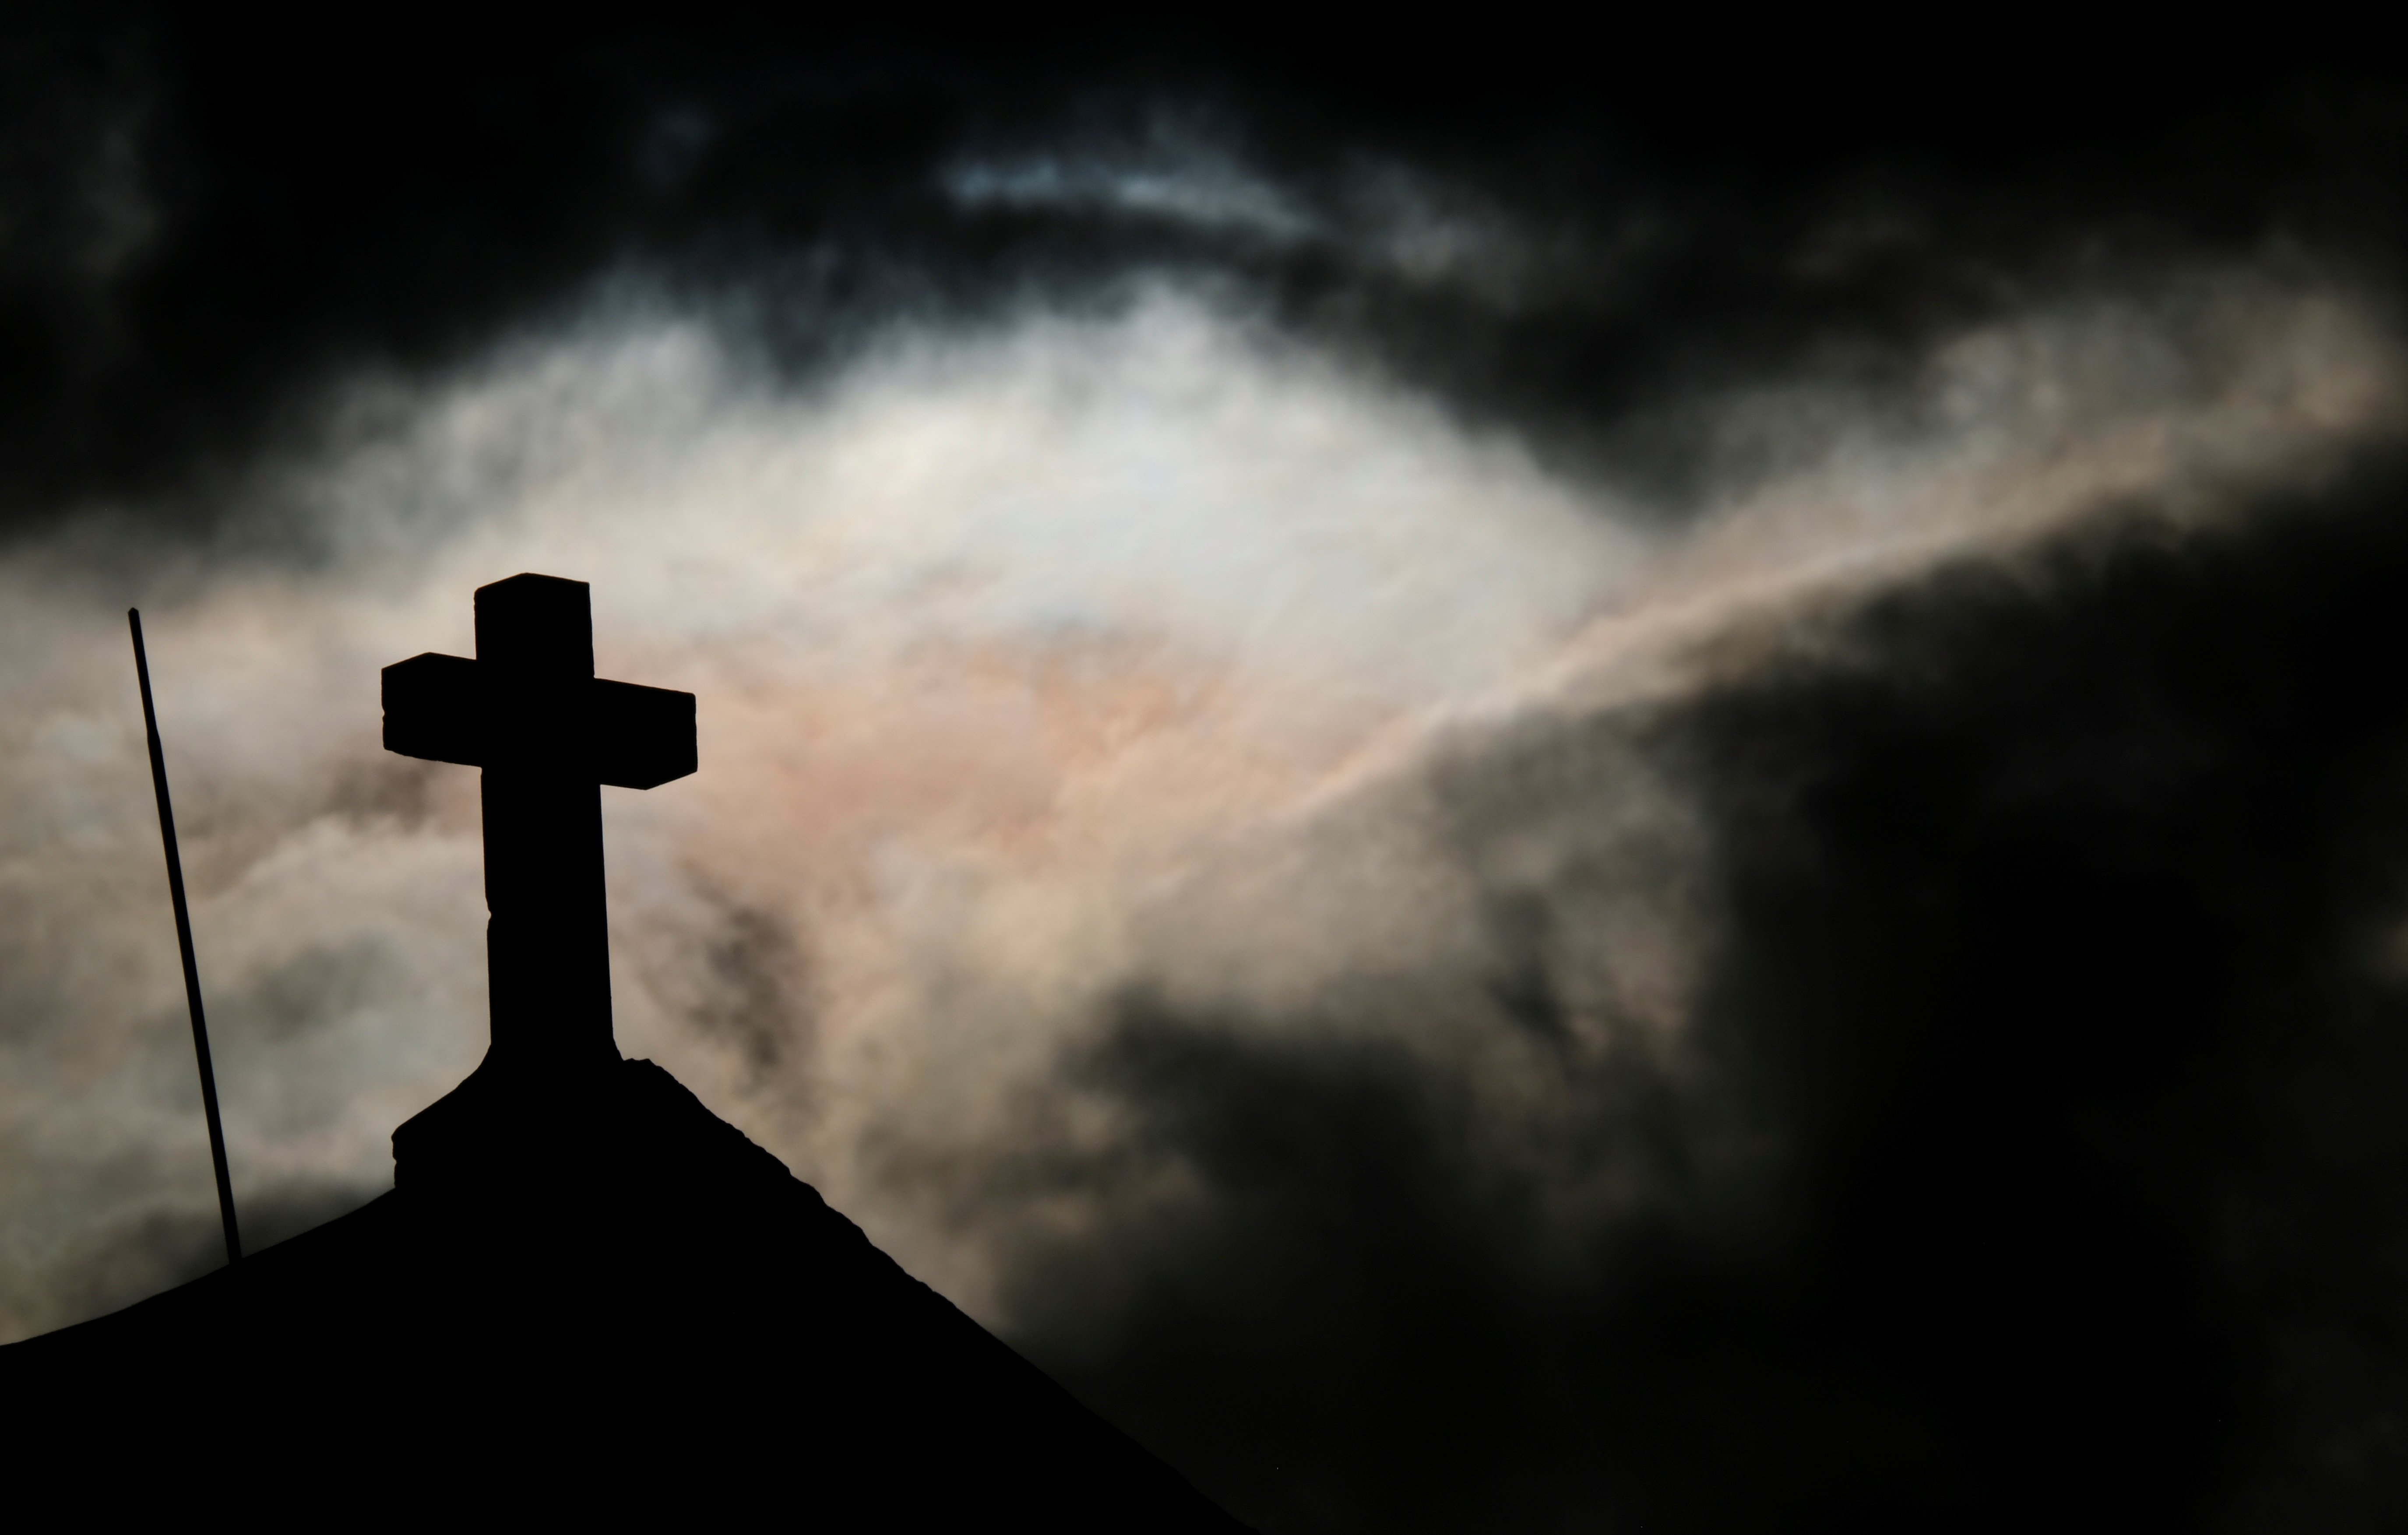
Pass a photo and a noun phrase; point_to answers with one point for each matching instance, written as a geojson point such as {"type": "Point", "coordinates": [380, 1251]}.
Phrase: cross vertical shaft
{"type": "Point", "coordinates": [547, 935]}
{"type": "Point", "coordinates": [548, 733]}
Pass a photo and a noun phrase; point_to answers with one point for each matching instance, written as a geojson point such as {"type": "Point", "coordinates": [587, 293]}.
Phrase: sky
{"type": "Point", "coordinates": [1506, 786]}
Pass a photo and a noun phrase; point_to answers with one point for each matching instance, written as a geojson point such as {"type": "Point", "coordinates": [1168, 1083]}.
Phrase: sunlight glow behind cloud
{"type": "Point", "coordinates": [1035, 665]}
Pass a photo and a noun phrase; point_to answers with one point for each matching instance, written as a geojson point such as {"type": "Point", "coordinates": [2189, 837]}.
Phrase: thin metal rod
{"type": "Point", "coordinates": [185, 942]}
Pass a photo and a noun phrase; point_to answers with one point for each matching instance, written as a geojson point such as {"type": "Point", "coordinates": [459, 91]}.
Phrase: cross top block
{"type": "Point", "coordinates": [536, 625]}
{"type": "Point", "coordinates": [530, 698]}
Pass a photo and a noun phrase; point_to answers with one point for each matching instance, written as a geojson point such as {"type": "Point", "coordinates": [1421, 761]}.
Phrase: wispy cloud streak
{"type": "Point", "coordinates": [1074, 657]}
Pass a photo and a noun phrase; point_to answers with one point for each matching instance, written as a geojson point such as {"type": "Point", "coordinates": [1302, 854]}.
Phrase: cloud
{"type": "Point", "coordinates": [1484, 828]}
{"type": "Point", "coordinates": [2023, 1139]}
{"type": "Point", "coordinates": [1083, 654]}
{"type": "Point", "coordinates": [1172, 170]}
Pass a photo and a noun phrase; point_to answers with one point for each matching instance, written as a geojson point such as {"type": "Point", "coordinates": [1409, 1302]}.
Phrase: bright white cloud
{"type": "Point", "coordinates": [1033, 663]}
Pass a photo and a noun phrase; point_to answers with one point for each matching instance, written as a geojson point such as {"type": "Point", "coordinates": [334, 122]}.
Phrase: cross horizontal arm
{"type": "Point", "coordinates": [450, 709]}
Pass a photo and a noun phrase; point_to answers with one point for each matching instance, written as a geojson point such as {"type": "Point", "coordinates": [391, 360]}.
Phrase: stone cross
{"type": "Point", "coordinates": [548, 733]}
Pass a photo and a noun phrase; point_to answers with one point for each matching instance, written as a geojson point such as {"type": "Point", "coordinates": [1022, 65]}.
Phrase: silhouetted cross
{"type": "Point", "coordinates": [548, 733]}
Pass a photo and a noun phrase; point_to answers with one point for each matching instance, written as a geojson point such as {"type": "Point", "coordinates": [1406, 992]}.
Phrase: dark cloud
{"type": "Point", "coordinates": [2021, 1139]}
{"type": "Point", "coordinates": [208, 223]}
{"type": "Point", "coordinates": [2036, 1147]}
{"type": "Point", "coordinates": [753, 987]}
{"type": "Point", "coordinates": [305, 991]}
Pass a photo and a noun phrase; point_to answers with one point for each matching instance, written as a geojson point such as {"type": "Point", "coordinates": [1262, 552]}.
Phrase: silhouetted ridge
{"type": "Point", "coordinates": [594, 1293]}
{"type": "Point", "coordinates": [584, 1288]}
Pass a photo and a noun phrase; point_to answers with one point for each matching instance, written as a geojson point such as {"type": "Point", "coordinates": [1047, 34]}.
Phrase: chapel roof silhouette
{"type": "Point", "coordinates": [586, 1295]}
